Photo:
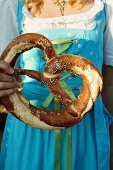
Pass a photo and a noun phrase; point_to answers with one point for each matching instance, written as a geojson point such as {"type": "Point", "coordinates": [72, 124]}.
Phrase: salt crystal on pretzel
{"type": "Point", "coordinates": [74, 111]}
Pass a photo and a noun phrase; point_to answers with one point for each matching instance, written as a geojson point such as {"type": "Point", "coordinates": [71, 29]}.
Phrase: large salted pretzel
{"type": "Point", "coordinates": [73, 111]}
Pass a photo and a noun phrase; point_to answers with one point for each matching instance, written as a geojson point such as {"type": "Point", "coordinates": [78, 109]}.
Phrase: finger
{"type": "Point", "coordinates": [6, 78]}
{"type": "Point", "coordinates": [6, 67]}
{"type": "Point", "coordinates": [4, 85]}
{"type": "Point", "coordinates": [4, 93]}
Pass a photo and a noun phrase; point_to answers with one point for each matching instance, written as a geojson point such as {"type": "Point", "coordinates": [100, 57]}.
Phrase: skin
{"type": "Point", "coordinates": [8, 84]}
{"type": "Point", "coordinates": [107, 93]}
{"type": "Point", "coordinates": [107, 97]}
{"type": "Point", "coordinates": [54, 11]}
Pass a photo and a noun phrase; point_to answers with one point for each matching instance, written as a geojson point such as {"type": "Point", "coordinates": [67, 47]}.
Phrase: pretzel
{"type": "Point", "coordinates": [74, 111]}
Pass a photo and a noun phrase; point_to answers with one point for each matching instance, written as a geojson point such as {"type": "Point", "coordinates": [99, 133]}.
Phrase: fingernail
{"type": "Point", "coordinates": [11, 71]}
{"type": "Point", "coordinates": [20, 88]}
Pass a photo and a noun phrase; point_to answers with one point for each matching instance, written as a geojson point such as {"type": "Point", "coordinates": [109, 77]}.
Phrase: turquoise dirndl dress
{"type": "Point", "coordinates": [83, 146]}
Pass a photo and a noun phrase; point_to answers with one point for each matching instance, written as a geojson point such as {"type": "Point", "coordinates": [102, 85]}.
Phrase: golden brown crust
{"type": "Point", "coordinates": [73, 111]}
{"type": "Point", "coordinates": [26, 42]}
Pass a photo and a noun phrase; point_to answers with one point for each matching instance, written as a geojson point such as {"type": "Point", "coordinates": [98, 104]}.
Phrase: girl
{"type": "Point", "coordinates": [86, 27]}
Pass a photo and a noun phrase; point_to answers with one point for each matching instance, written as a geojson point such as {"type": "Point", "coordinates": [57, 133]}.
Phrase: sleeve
{"type": "Point", "coordinates": [108, 35]}
{"type": "Point", "coordinates": [8, 22]}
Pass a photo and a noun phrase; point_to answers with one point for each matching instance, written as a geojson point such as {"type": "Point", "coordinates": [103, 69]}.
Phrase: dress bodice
{"type": "Point", "coordinates": [71, 40]}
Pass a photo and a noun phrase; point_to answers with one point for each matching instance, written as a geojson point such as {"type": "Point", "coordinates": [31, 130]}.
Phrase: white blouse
{"type": "Point", "coordinates": [82, 21]}
{"type": "Point", "coordinates": [86, 20]}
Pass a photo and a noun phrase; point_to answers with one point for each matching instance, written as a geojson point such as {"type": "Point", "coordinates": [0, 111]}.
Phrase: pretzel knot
{"type": "Point", "coordinates": [73, 111]}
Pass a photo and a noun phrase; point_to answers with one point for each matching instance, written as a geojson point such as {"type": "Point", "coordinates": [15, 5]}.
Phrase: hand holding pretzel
{"type": "Point", "coordinates": [73, 111]}
{"type": "Point", "coordinates": [8, 84]}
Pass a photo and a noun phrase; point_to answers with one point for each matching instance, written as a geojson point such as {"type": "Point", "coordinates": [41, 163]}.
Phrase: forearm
{"type": "Point", "coordinates": [107, 92]}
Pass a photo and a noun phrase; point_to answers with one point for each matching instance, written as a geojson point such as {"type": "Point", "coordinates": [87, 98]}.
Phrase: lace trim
{"type": "Point", "coordinates": [89, 15]}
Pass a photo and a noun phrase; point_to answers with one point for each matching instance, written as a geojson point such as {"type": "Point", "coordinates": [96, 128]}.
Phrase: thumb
{"type": "Point", "coordinates": [6, 67]}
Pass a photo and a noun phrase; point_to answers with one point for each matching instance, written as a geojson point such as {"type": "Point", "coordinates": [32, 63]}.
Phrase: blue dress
{"type": "Point", "coordinates": [83, 146]}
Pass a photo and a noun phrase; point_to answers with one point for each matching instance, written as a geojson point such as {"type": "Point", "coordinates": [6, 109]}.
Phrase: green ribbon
{"type": "Point", "coordinates": [64, 45]}
{"type": "Point", "coordinates": [66, 77]}
{"type": "Point", "coordinates": [62, 41]}
{"type": "Point", "coordinates": [57, 149]}
{"type": "Point", "coordinates": [68, 90]}
{"type": "Point", "coordinates": [69, 150]}
{"type": "Point", "coordinates": [56, 104]}
{"type": "Point", "coordinates": [47, 101]}
{"type": "Point", "coordinates": [62, 48]}
{"type": "Point", "coordinates": [51, 97]}
{"type": "Point", "coordinates": [58, 136]}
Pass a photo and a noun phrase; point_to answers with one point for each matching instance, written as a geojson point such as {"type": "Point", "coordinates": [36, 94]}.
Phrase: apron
{"type": "Point", "coordinates": [83, 146]}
